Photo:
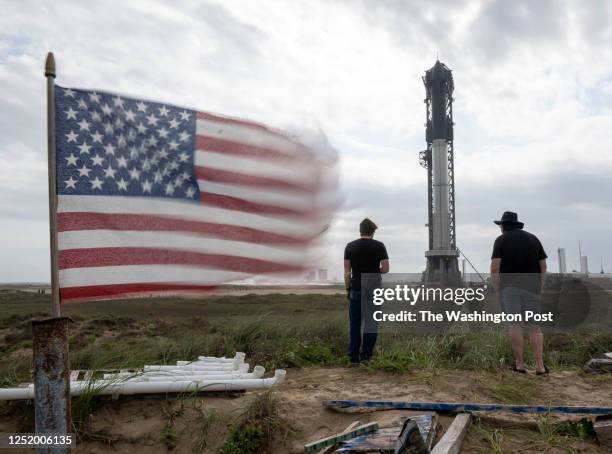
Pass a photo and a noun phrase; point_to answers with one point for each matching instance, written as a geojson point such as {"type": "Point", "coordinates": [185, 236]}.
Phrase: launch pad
{"type": "Point", "coordinates": [442, 257]}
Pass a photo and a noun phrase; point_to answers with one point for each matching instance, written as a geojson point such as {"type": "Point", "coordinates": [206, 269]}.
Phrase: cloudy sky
{"type": "Point", "coordinates": [533, 91]}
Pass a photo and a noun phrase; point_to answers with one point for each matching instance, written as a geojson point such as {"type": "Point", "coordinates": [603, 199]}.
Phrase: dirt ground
{"type": "Point", "coordinates": [133, 424]}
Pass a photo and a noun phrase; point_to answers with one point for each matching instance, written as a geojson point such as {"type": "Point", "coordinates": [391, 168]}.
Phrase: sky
{"type": "Point", "coordinates": [533, 115]}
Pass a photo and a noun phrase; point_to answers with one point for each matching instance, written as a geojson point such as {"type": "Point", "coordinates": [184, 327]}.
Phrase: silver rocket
{"type": "Point", "coordinates": [442, 266]}
{"type": "Point", "coordinates": [440, 132]}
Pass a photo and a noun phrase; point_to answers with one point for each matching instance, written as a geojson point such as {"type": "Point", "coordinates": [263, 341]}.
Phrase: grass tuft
{"type": "Point", "coordinates": [258, 428]}
{"type": "Point", "coordinates": [204, 423]}
{"type": "Point", "coordinates": [168, 436]}
{"type": "Point", "coordinates": [516, 390]}
{"type": "Point", "coordinates": [492, 438]}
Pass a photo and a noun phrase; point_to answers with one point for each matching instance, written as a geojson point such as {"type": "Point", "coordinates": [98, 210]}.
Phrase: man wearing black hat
{"type": "Point", "coordinates": [368, 257]}
{"type": "Point", "coordinates": [518, 267]}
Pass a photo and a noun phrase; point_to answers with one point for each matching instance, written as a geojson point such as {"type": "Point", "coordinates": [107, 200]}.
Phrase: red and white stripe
{"type": "Point", "coordinates": [260, 213]}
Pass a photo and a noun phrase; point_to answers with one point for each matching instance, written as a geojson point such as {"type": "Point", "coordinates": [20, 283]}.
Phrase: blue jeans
{"type": "Point", "coordinates": [369, 334]}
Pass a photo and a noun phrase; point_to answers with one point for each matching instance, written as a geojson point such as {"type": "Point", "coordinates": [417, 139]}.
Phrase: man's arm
{"type": "Point", "coordinates": [495, 268]}
{"type": "Point", "coordinates": [384, 266]}
{"type": "Point", "coordinates": [542, 262]}
{"type": "Point", "coordinates": [496, 263]}
{"type": "Point", "coordinates": [384, 259]}
{"type": "Point", "coordinates": [542, 272]}
{"type": "Point", "coordinates": [347, 275]}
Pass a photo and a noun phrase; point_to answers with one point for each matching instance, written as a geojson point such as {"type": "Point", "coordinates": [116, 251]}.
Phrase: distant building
{"type": "Point", "coordinates": [562, 262]}
{"type": "Point", "coordinates": [311, 276]}
{"type": "Point", "coordinates": [322, 274]}
{"type": "Point", "coordinates": [584, 264]}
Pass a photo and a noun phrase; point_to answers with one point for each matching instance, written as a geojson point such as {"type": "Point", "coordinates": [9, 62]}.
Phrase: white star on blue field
{"type": "Point", "coordinates": [113, 145]}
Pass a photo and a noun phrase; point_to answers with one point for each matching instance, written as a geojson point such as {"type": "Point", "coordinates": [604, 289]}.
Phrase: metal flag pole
{"type": "Point", "coordinates": [50, 75]}
{"type": "Point", "coordinates": [52, 413]}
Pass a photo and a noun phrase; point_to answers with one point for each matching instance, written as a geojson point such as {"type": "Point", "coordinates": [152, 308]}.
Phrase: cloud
{"type": "Point", "coordinates": [532, 110]}
{"type": "Point", "coordinates": [503, 26]}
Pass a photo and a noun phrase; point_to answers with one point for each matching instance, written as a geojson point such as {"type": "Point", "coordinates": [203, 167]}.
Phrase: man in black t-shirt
{"type": "Point", "coordinates": [518, 268]}
{"type": "Point", "coordinates": [365, 255]}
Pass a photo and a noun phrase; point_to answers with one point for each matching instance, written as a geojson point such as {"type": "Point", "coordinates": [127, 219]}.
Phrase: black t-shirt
{"type": "Point", "coordinates": [520, 252]}
{"type": "Point", "coordinates": [365, 255]}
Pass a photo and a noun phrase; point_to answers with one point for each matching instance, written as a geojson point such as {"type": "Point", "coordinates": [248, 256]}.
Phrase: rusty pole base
{"type": "Point", "coordinates": [51, 378]}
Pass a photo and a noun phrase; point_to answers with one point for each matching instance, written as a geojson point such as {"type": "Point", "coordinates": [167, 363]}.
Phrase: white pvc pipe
{"type": "Point", "coordinates": [212, 361]}
{"type": "Point", "coordinates": [215, 367]}
{"type": "Point", "coordinates": [146, 378]}
{"type": "Point", "coordinates": [194, 377]}
{"type": "Point", "coordinates": [77, 388]}
{"type": "Point", "coordinates": [240, 356]}
{"type": "Point", "coordinates": [242, 369]}
{"type": "Point", "coordinates": [258, 372]}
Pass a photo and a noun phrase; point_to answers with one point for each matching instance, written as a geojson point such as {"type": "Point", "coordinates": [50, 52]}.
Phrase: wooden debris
{"type": "Point", "coordinates": [385, 438]}
{"type": "Point", "coordinates": [451, 441]}
{"type": "Point", "coordinates": [323, 443]}
{"type": "Point", "coordinates": [335, 446]}
{"type": "Point", "coordinates": [599, 365]}
{"type": "Point", "coordinates": [410, 440]}
{"type": "Point", "coordinates": [368, 406]}
{"type": "Point", "coordinates": [603, 430]}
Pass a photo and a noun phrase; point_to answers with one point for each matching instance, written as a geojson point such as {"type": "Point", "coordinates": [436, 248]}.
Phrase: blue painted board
{"type": "Point", "coordinates": [467, 407]}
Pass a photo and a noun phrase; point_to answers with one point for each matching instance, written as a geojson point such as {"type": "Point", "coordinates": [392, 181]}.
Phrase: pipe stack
{"type": "Point", "coordinates": [204, 374]}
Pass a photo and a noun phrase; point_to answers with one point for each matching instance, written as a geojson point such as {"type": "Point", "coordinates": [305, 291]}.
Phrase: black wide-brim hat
{"type": "Point", "coordinates": [509, 218]}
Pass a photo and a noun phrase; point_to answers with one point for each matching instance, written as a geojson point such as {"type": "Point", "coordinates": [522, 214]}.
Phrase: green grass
{"type": "Point", "coordinates": [84, 406]}
{"type": "Point", "coordinates": [276, 331]}
{"type": "Point", "coordinates": [244, 439]}
{"type": "Point", "coordinates": [516, 390]}
{"type": "Point", "coordinates": [491, 437]}
{"type": "Point", "coordinates": [168, 436]}
{"type": "Point", "coordinates": [545, 435]}
{"type": "Point", "coordinates": [204, 423]}
{"type": "Point", "coordinates": [258, 428]}
{"type": "Point", "coordinates": [560, 434]}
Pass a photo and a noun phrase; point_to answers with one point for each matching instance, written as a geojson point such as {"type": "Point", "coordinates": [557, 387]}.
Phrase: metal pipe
{"type": "Point", "coordinates": [51, 166]}
{"type": "Point", "coordinates": [129, 387]}
{"type": "Point", "coordinates": [51, 388]}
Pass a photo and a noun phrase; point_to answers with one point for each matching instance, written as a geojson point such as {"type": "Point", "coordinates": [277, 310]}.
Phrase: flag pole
{"type": "Point", "coordinates": [52, 406]}
{"type": "Point", "coordinates": [50, 75]}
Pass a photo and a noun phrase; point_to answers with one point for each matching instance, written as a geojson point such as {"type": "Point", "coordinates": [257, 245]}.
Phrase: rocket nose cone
{"type": "Point", "coordinates": [438, 72]}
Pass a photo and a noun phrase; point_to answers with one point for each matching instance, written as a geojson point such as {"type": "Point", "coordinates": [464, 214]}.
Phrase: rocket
{"type": "Point", "coordinates": [438, 159]}
{"type": "Point", "coordinates": [440, 130]}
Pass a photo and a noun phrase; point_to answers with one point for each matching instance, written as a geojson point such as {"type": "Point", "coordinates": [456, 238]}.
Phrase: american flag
{"type": "Point", "coordinates": [154, 198]}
